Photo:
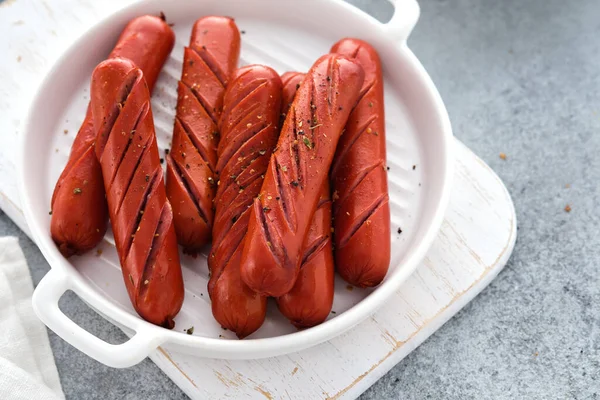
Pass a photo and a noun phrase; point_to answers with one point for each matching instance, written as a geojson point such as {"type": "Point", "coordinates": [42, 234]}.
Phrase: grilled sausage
{"type": "Point", "coordinates": [79, 211]}
{"type": "Point", "coordinates": [361, 210]}
{"type": "Point", "coordinates": [310, 300]}
{"type": "Point", "coordinates": [291, 82]}
{"type": "Point", "coordinates": [140, 215]}
{"type": "Point", "coordinates": [249, 131]}
{"type": "Point", "coordinates": [281, 218]}
{"type": "Point", "coordinates": [208, 64]}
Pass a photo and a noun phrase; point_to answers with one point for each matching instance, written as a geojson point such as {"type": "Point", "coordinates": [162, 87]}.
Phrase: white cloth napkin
{"type": "Point", "coordinates": [27, 368]}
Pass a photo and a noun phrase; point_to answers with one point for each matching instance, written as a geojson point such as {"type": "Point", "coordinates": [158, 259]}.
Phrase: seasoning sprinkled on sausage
{"type": "Point", "coordinates": [208, 63]}
{"type": "Point", "coordinates": [244, 154]}
{"type": "Point", "coordinates": [273, 247]}
{"type": "Point", "coordinates": [358, 176]}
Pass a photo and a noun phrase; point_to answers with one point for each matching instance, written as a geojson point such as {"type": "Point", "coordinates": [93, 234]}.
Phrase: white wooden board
{"type": "Point", "coordinates": [473, 245]}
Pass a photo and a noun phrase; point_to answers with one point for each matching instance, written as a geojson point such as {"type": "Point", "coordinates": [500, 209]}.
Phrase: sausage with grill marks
{"type": "Point", "coordinates": [208, 64]}
{"type": "Point", "coordinates": [310, 300]}
{"type": "Point", "coordinates": [249, 130]}
{"type": "Point", "coordinates": [291, 82]}
{"type": "Point", "coordinates": [280, 219]}
{"type": "Point", "coordinates": [140, 215]}
{"type": "Point", "coordinates": [361, 210]}
{"type": "Point", "coordinates": [79, 211]}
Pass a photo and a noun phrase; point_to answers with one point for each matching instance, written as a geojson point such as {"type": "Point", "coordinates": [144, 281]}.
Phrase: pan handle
{"type": "Point", "coordinates": [45, 303]}
{"type": "Point", "coordinates": [406, 15]}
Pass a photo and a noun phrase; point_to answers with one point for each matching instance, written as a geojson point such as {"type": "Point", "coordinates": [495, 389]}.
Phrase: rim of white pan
{"type": "Point", "coordinates": [148, 337]}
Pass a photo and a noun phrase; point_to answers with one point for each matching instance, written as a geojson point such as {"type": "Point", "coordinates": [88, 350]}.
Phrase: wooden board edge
{"type": "Point", "coordinates": [165, 361]}
{"type": "Point", "coordinates": [379, 369]}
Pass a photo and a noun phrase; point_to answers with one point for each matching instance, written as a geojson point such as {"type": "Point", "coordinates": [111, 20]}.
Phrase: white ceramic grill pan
{"type": "Point", "coordinates": [287, 35]}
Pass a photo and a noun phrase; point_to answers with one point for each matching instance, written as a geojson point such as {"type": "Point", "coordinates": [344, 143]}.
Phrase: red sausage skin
{"type": "Point", "coordinates": [361, 210]}
{"type": "Point", "coordinates": [249, 131]}
{"type": "Point", "coordinates": [310, 300]}
{"type": "Point", "coordinates": [79, 210]}
{"type": "Point", "coordinates": [297, 171]}
{"type": "Point", "coordinates": [208, 64]}
{"type": "Point", "coordinates": [140, 215]}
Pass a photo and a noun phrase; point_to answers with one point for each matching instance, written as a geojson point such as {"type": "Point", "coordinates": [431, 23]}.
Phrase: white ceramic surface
{"type": "Point", "coordinates": [286, 36]}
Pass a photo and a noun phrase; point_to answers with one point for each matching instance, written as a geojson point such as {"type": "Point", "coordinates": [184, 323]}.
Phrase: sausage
{"type": "Point", "coordinates": [361, 210]}
{"type": "Point", "coordinates": [140, 215]}
{"type": "Point", "coordinates": [310, 300]}
{"type": "Point", "coordinates": [147, 41]}
{"type": "Point", "coordinates": [298, 168]}
{"type": "Point", "coordinates": [208, 63]}
{"type": "Point", "coordinates": [79, 217]}
{"type": "Point", "coordinates": [291, 82]}
{"type": "Point", "coordinates": [249, 129]}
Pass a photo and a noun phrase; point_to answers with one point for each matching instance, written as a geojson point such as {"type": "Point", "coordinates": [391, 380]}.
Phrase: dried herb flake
{"type": "Point", "coordinates": [307, 142]}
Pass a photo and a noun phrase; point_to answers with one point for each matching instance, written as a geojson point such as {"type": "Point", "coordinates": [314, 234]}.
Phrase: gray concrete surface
{"type": "Point", "coordinates": [519, 77]}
